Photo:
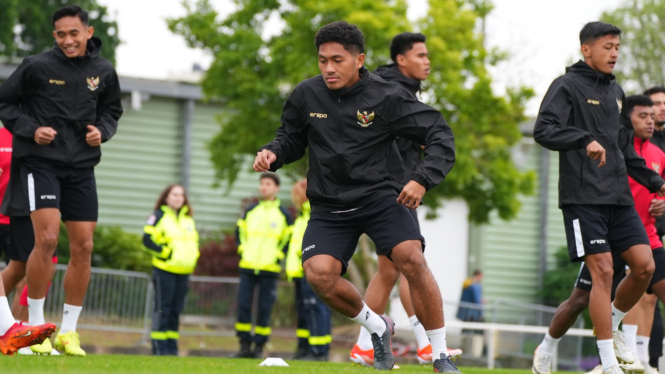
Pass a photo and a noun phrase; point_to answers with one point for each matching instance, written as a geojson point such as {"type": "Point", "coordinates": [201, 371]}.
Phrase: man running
{"type": "Point", "coordinates": [410, 67]}
{"type": "Point", "coordinates": [579, 117]}
{"type": "Point", "coordinates": [349, 119]}
{"type": "Point", "coordinates": [62, 104]}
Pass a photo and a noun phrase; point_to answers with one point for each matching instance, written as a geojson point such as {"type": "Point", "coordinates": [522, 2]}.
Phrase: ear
{"type": "Point", "coordinates": [401, 60]}
{"type": "Point", "coordinates": [91, 31]}
{"type": "Point", "coordinates": [586, 50]}
{"type": "Point", "coordinates": [360, 60]}
{"type": "Point", "coordinates": [54, 34]}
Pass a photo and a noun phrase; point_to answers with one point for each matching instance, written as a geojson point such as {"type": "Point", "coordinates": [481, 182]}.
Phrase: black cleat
{"type": "Point", "coordinates": [445, 365]}
{"type": "Point", "coordinates": [301, 353]}
{"type": "Point", "coordinates": [245, 350]}
{"type": "Point", "coordinates": [383, 349]}
{"type": "Point", "coordinates": [258, 351]}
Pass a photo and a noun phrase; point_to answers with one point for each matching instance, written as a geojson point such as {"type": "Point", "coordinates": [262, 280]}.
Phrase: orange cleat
{"type": "Point", "coordinates": [425, 355]}
{"type": "Point", "coordinates": [19, 336]}
{"type": "Point", "coordinates": [360, 357]}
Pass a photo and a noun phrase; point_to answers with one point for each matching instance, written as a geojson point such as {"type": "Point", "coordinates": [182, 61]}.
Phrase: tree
{"type": "Point", "coordinates": [642, 47]}
{"type": "Point", "coordinates": [26, 28]}
{"type": "Point", "coordinates": [253, 76]}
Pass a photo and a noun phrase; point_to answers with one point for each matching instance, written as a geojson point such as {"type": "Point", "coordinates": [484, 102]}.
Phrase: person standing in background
{"type": "Point", "coordinates": [472, 293]}
{"type": "Point", "coordinates": [171, 238]}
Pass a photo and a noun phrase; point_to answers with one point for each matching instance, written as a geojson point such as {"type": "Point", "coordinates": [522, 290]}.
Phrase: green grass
{"type": "Point", "coordinates": [189, 365]}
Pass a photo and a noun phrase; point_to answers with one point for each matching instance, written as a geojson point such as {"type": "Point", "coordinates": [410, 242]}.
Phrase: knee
{"type": "Point", "coordinates": [413, 262]}
{"type": "Point", "coordinates": [388, 273]}
{"type": "Point", "coordinates": [82, 251]}
{"type": "Point", "coordinates": [602, 276]}
{"type": "Point", "coordinates": [645, 271]}
{"type": "Point", "coordinates": [580, 302]}
{"type": "Point", "coordinates": [46, 241]}
{"type": "Point", "coordinates": [320, 279]}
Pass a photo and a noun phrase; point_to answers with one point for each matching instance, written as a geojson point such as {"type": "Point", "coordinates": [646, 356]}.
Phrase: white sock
{"type": "Point", "coordinates": [6, 317]}
{"type": "Point", "coordinates": [419, 331]}
{"type": "Point", "coordinates": [606, 351]}
{"type": "Point", "coordinates": [617, 317]}
{"type": "Point", "coordinates": [70, 317]}
{"type": "Point", "coordinates": [36, 311]}
{"type": "Point", "coordinates": [629, 336]}
{"type": "Point", "coordinates": [365, 340]}
{"type": "Point", "coordinates": [643, 349]}
{"type": "Point", "coordinates": [370, 320]}
{"type": "Point", "coordinates": [438, 340]}
{"type": "Point", "coordinates": [548, 346]}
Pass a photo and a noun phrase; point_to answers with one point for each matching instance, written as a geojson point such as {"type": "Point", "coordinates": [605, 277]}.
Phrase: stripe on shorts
{"type": "Point", "coordinates": [31, 191]}
{"type": "Point", "coordinates": [579, 243]}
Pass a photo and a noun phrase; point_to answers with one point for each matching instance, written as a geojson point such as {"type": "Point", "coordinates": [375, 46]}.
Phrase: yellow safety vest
{"type": "Point", "coordinates": [294, 256]}
{"type": "Point", "coordinates": [179, 235]}
{"type": "Point", "coordinates": [263, 233]}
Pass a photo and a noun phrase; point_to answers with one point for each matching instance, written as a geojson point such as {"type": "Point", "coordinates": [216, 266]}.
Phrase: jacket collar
{"type": "Point", "coordinates": [582, 68]}
{"type": "Point", "coordinates": [270, 203]}
{"type": "Point", "coordinates": [358, 87]}
{"type": "Point", "coordinates": [94, 48]}
{"type": "Point", "coordinates": [391, 73]}
{"type": "Point", "coordinates": [641, 143]}
{"type": "Point", "coordinates": [167, 210]}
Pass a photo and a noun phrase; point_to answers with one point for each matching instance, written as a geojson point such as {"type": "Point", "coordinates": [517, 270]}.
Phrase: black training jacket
{"type": "Point", "coordinates": [67, 94]}
{"type": "Point", "coordinates": [410, 152]}
{"type": "Point", "coordinates": [353, 159]}
{"type": "Point", "coordinates": [580, 107]}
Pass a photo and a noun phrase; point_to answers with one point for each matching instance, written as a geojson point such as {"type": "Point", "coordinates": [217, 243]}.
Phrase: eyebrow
{"type": "Point", "coordinates": [331, 57]}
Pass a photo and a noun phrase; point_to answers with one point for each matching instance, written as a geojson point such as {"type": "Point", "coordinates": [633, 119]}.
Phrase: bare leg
{"type": "Point", "coordinates": [425, 295]}
{"type": "Point", "coordinates": [323, 274]}
{"type": "Point", "coordinates": [46, 223]}
{"type": "Point", "coordinates": [379, 288]}
{"type": "Point", "coordinates": [600, 267]}
{"type": "Point", "coordinates": [640, 261]}
{"type": "Point", "coordinates": [405, 296]}
{"type": "Point", "coordinates": [13, 274]}
{"type": "Point", "coordinates": [19, 311]}
{"type": "Point", "coordinates": [77, 276]}
{"type": "Point", "coordinates": [567, 313]}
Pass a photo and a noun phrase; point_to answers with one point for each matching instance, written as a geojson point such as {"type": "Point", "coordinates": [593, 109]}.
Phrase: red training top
{"type": "Point", "coordinates": [655, 159]}
{"type": "Point", "coordinates": [5, 162]}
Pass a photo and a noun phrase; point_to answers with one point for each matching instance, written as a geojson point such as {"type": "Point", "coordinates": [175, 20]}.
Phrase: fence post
{"type": "Point", "coordinates": [146, 314]}
{"type": "Point", "coordinates": [491, 348]}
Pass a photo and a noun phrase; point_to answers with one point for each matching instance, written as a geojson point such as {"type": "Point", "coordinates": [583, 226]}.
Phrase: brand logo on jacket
{"type": "Point", "coordinates": [619, 104]}
{"type": "Point", "coordinates": [655, 166]}
{"type": "Point", "coordinates": [318, 115]}
{"type": "Point", "coordinates": [365, 119]}
{"type": "Point", "coordinates": [93, 83]}
{"type": "Point", "coordinates": [598, 241]}
{"type": "Point", "coordinates": [593, 102]}
{"type": "Point", "coordinates": [56, 82]}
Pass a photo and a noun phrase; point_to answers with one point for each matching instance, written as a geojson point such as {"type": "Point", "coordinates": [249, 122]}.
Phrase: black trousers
{"type": "Point", "coordinates": [656, 340]}
{"type": "Point", "coordinates": [170, 293]}
{"type": "Point", "coordinates": [267, 284]}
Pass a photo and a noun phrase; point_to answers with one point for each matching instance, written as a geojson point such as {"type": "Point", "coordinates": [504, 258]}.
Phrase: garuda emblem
{"type": "Point", "coordinates": [365, 119]}
{"type": "Point", "coordinates": [93, 83]}
{"type": "Point", "coordinates": [655, 166]}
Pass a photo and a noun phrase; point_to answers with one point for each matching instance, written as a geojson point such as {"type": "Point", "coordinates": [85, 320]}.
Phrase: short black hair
{"type": "Point", "coordinates": [654, 90]}
{"type": "Point", "coordinates": [596, 30]}
{"type": "Point", "coordinates": [404, 42]}
{"type": "Point", "coordinates": [342, 32]}
{"type": "Point", "coordinates": [70, 11]}
{"type": "Point", "coordinates": [477, 272]}
{"type": "Point", "coordinates": [635, 100]}
{"type": "Point", "coordinates": [272, 176]}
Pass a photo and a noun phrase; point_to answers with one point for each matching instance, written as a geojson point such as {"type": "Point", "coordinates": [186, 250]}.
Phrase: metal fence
{"type": "Point", "coordinates": [122, 301]}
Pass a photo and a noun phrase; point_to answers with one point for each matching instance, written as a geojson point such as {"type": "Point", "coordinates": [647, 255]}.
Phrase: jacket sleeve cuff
{"type": "Point", "coordinates": [586, 140]}
{"type": "Point", "coordinates": [421, 180]}
{"type": "Point", "coordinates": [278, 161]}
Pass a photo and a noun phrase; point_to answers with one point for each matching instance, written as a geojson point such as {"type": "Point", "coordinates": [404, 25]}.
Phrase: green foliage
{"type": "Point", "coordinates": [253, 76]}
{"type": "Point", "coordinates": [33, 19]}
{"type": "Point", "coordinates": [642, 46]}
{"type": "Point", "coordinates": [113, 249]}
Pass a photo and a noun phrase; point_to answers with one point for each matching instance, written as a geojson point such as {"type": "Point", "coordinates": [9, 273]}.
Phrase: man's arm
{"type": "Point", "coordinates": [291, 140]}
{"type": "Point", "coordinates": [109, 107]}
{"type": "Point", "coordinates": [636, 166]}
{"type": "Point", "coordinates": [550, 130]}
{"type": "Point", "coordinates": [12, 93]}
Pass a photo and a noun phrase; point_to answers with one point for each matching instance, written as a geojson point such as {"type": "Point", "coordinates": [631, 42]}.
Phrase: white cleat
{"type": "Point", "coordinates": [650, 370]}
{"type": "Point", "coordinates": [616, 369]}
{"type": "Point", "coordinates": [542, 363]}
{"type": "Point", "coordinates": [624, 355]}
{"type": "Point", "coordinates": [634, 368]}
{"type": "Point", "coordinates": [597, 370]}
{"type": "Point", "coordinates": [25, 351]}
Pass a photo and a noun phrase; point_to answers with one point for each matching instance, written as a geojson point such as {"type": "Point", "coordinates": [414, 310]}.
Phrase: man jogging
{"type": "Point", "coordinates": [349, 119]}
{"type": "Point", "coordinates": [410, 67]}
{"type": "Point", "coordinates": [62, 104]}
{"type": "Point", "coordinates": [579, 117]}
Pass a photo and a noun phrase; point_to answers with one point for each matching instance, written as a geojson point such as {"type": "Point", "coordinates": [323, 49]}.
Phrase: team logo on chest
{"type": "Point", "coordinates": [364, 119]}
{"type": "Point", "coordinates": [655, 166]}
{"type": "Point", "coordinates": [93, 83]}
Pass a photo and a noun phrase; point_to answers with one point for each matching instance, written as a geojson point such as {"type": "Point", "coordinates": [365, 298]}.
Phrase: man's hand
{"type": "Point", "coordinates": [661, 192]}
{"type": "Point", "coordinates": [411, 195]}
{"type": "Point", "coordinates": [596, 151]}
{"type": "Point", "coordinates": [263, 160]}
{"type": "Point", "coordinates": [45, 135]}
{"type": "Point", "coordinates": [93, 137]}
{"type": "Point", "coordinates": [657, 207]}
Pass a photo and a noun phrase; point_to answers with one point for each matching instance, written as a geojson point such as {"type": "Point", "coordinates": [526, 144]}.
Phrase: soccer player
{"type": "Point", "coordinates": [410, 67]}
{"type": "Point", "coordinates": [349, 119]}
{"type": "Point", "coordinates": [62, 104]}
{"type": "Point", "coordinates": [579, 117]}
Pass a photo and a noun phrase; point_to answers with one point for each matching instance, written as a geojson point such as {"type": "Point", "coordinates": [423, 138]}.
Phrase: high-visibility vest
{"type": "Point", "coordinates": [178, 234]}
{"type": "Point", "coordinates": [294, 256]}
{"type": "Point", "coordinates": [263, 233]}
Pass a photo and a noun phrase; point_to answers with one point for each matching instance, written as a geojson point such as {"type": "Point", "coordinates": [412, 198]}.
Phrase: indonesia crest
{"type": "Point", "coordinates": [365, 119]}
{"type": "Point", "coordinates": [93, 83]}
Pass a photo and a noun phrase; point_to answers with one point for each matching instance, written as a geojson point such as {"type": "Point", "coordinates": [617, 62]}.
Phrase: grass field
{"type": "Point", "coordinates": [188, 365]}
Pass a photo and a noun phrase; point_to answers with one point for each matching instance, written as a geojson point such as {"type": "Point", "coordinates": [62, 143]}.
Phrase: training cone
{"type": "Point", "coordinates": [273, 361]}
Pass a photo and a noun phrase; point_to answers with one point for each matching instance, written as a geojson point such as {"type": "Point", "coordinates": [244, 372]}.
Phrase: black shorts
{"type": "Point", "coordinates": [385, 221]}
{"type": "Point", "coordinates": [5, 242]}
{"type": "Point", "coordinates": [71, 190]}
{"type": "Point", "coordinates": [592, 229]}
{"type": "Point", "coordinates": [584, 282]}
{"type": "Point", "coordinates": [659, 273]}
{"type": "Point", "coordinates": [22, 237]}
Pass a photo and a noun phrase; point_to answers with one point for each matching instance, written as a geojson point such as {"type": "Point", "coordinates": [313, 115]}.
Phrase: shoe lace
{"type": "Point", "coordinates": [379, 350]}
{"type": "Point", "coordinates": [619, 341]}
{"type": "Point", "coordinates": [544, 362]}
